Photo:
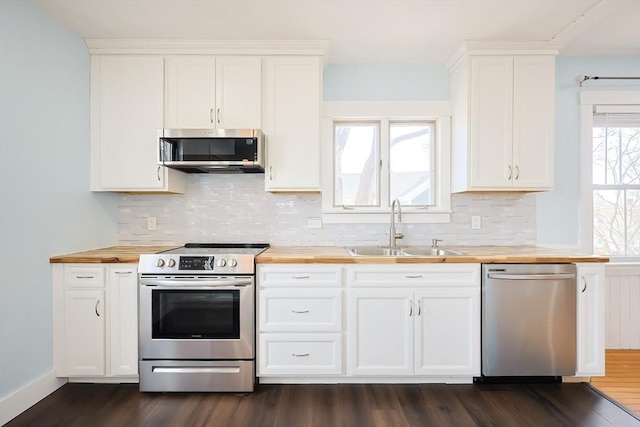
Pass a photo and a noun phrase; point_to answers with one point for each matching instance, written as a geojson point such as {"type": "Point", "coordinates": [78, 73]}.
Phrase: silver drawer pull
{"type": "Point", "coordinates": [96, 308]}
{"type": "Point", "coordinates": [413, 277]}
{"type": "Point", "coordinates": [123, 272]}
{"type": "Point", "coordinates": [84, 277]}
{"type": "Point", "coordinates": [300, 311]}
{"type": "Point", "coordinates": [196, 370]}
{"type": "Point", "coordinates": [300, 277]}
{"type": "Point", "coordinates": [300, 355]}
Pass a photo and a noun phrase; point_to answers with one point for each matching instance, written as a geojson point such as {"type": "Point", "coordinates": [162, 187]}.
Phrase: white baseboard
{"type": "Point", "coordinates": [19, 401]}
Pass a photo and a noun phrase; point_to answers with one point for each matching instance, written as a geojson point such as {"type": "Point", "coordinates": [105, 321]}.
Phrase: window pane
{"type": "Point", "coordinates": [633, 223]}
{"type": "Point", "coordinates": [411, 162]}
{"type": "Point", "coordinates": [616, 222]}
{"type": "Point", "coordinates": [356, 160]}
{"type": "Point", "coordinates": [616, 155]}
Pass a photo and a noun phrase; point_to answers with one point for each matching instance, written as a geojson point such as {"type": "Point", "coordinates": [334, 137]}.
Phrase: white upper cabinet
{"type": "Point", "coordinates": [292, 123]}
{"type": "Point", "coordinates": [503, 122]}
{"type": "Point", "coordinates": [126, 113]}
{"type": "Point", "coordinates": [213, 92]}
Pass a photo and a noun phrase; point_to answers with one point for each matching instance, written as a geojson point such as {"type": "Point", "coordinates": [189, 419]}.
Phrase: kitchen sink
{"type": "Point", "coordinates": [428, 251]}
{"type": "Point", "coordinates": [374, 251]}
{"type": "Point", "coordinates": [385, 251]}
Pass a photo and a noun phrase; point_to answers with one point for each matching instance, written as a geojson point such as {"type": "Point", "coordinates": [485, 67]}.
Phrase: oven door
{"type": "Point", "coordinates": [203, 318]}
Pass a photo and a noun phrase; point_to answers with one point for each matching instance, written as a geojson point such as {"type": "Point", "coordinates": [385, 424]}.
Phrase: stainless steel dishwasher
{"type": "Point", "coordinates": [528, 320]}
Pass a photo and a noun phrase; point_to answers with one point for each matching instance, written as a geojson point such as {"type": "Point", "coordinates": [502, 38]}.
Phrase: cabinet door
{"type": "Point", "coordinates": [123, 321]}
{"type": "Point", "coordinates": [84, 332]}
{"type": "Point", "coordinates": [190, 92]}
{"type": "Point", "coordinates": [126, 113]}
{"type": "Point", "coordinates": [533, 121]}
{"type": "Point", "coordinates": [380, 332]}
{"type": "Point", "coordinates": [591, 311]}
{"type": "Point", "coordinates": [490, 122]}
{"type": "Point", "coordinates": [448, 332]}
{"type": "Point", "coordinates": [292, 123]}
{"type": "Point", "coordinates": [238, 93]}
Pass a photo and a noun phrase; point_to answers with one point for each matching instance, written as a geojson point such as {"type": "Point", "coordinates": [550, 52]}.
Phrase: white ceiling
{"type": "Point", "coordinates": [366, 31]}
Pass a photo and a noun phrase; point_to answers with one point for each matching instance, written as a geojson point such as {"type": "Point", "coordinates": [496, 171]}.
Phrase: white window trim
{"type": "Point", "coordinates": [588, 99]}
{"type": "Point", "coordinates": [438, 111]}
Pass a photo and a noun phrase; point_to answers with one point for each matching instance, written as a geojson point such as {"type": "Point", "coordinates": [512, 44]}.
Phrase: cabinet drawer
{"type": "Point", "coordinates": [288, 275]}
{"type": "Point", "coordinates": [297, 310]}
{"type": "Point", "coordinates": [300, 354]}
{"type": "Point", "coordinates": [418, 275]}
{"type": "Point", "coordinates": [84, 276]}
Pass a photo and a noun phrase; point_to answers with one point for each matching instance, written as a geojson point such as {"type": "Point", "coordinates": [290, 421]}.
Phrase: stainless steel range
{"type": "Point", "coordinates": [197, 318]}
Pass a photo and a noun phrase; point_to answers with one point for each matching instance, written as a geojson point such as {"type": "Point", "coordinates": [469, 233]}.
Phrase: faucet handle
{"type": "Point", "coordinates": [399, 235]}
{"type": "Point", "coordinates": [434, 242]}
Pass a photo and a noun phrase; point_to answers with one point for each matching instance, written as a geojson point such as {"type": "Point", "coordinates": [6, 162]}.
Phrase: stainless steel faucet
{"type": "Point", "coordinates": [392, 229]}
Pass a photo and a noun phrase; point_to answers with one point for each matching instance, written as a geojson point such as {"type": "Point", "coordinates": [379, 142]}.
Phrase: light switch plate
{"type": "Point", "coordinates": [152, 223]}
{"type": "Point", "coordinates": [314, 223]}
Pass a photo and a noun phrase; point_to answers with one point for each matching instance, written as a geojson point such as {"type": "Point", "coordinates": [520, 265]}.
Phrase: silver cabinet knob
{"type": "Point", "coordinates": [172, 262]}
{"type": "Point", "coordinates": [160, 263]}
{"type": "Point", "coordinates": [233, 262]}
{"type": "Point", "coordinates": [221, 262]}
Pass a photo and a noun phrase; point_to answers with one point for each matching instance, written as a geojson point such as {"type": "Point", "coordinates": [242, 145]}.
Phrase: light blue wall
{"type": "Point", "coordinates": [46, 207]}
{"type": "Point", "coordinates": [558, 210]}
{"type": "Point", "coordinates": [386, 83]}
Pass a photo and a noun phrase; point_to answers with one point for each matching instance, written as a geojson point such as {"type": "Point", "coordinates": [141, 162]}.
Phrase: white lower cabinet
{"type": "Point", "coordinates": [590, 322]}
{"type": "Point", "coordinates": [299, 320]}
{"type": "Point", "coordinates": [416, 323]}
{"type": "Point", "coordinates": [421, 321]}
{"type": "Point", "coordinates": [95, 319]}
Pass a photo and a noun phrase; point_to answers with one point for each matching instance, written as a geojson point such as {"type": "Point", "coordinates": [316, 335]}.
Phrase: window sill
{"type": "Point", "coordinates": [353, 217]}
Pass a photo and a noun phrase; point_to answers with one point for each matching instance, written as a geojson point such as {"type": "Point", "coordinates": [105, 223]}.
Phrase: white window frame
{"type": "Point", "coordinates": [341, 111]}
{"type": "Point", "coordinates": [588, 100]}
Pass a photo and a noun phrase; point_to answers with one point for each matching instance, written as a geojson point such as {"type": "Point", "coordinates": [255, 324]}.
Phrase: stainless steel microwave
{"type": "Point", "coordinates": [212, 150]}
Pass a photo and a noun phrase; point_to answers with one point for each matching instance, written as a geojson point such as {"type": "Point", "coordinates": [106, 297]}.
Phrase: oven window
{"type": "Point", "coordinates": [196, 314]}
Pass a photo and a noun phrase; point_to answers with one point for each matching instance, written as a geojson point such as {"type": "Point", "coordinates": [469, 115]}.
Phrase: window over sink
{"type": "Point", "coordinates": [375, 152]}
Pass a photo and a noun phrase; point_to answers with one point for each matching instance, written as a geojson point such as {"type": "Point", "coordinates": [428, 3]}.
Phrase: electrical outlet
{"type": "Point", "coordinates": [152, 223]}
{"type": "Point", "coordinates": [314, 223]}
{"type": "Point", "coordinates": [476, 222]}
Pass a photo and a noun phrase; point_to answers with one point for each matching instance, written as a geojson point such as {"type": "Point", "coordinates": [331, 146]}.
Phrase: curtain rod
{"type": "Point", "coordinates": [582, 79]}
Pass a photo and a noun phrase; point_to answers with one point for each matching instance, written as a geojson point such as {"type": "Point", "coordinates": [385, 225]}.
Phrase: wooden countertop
{"type": "Point", "coordinates": [473, 254]}
{"type": "Point", "coordinates": [113, 254]}
{"type": "Point", "coordinates": [339, 255]}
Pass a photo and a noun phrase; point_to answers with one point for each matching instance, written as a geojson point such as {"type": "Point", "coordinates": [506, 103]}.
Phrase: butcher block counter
{"type": "Point", "coordinates": [339, 255]}
{"type": "Point", "coordinates": [473, 254]}
{"type": "Point", "coordinates": [110, 255]}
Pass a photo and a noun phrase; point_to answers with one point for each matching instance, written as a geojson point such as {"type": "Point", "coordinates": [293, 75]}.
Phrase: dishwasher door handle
{"type": "Point", "coordinates": [524, 276]}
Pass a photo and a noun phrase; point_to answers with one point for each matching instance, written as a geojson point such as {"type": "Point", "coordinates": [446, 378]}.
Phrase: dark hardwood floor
{"type": "Point", "coordinates": [542, 405]}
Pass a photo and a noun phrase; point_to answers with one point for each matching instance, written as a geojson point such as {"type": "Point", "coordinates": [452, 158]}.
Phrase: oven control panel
{"type": "Point", "coordinates": [206, 264]}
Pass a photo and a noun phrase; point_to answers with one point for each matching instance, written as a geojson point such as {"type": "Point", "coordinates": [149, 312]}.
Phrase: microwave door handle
{"type": "Point", "coordinates": [209, 283]}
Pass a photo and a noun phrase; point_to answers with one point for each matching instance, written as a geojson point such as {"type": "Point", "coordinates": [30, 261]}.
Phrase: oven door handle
{"type": "Point", "coordinates": [196, 284]}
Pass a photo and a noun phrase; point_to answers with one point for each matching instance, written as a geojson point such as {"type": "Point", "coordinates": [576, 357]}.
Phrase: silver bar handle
{"type": "Point", "coordinates": [96, 308]}
{"type": "Point", "coordinates": [419, 307]}
{"type": "Point", "coordinates": [300, 311]}
{"type": "Point", "coordinates": [410, 308]}
{"type": "Point", "coordinates": [205, 284]}
{"type": "Point", "coordinates": [300, 277]}
{"type": "Point", "coordinates": [84, 277]}
{"type": "Point", "coordinates": [417, 276]}
{"type": "Point", "coordinates": [158, 172]}
{"type": "Point", "coordinates": [123, 272]}
{"type": "Point", "coordinates": [270, 173]}
{"type": "Point", "coordinates": [585, 284]}
{"type": "Point", "coordinates": [211, 115]}
{"type": "Point", "coordinates": [218, 116]}
{"type": "Point", "coordinates": [517, 172]}
{"type": "Point", "coordinates": [196, 370]}
{"type": "Point", "coordinates": [510, 173]}
{"type": "Point", "coordinates": [300, 355]}
{"type": "Point", "coordinates": [552, 276]}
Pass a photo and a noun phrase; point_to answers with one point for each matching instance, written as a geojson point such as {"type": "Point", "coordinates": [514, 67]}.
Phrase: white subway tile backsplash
{"type": "Point", "coordinates": [236, 208]}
